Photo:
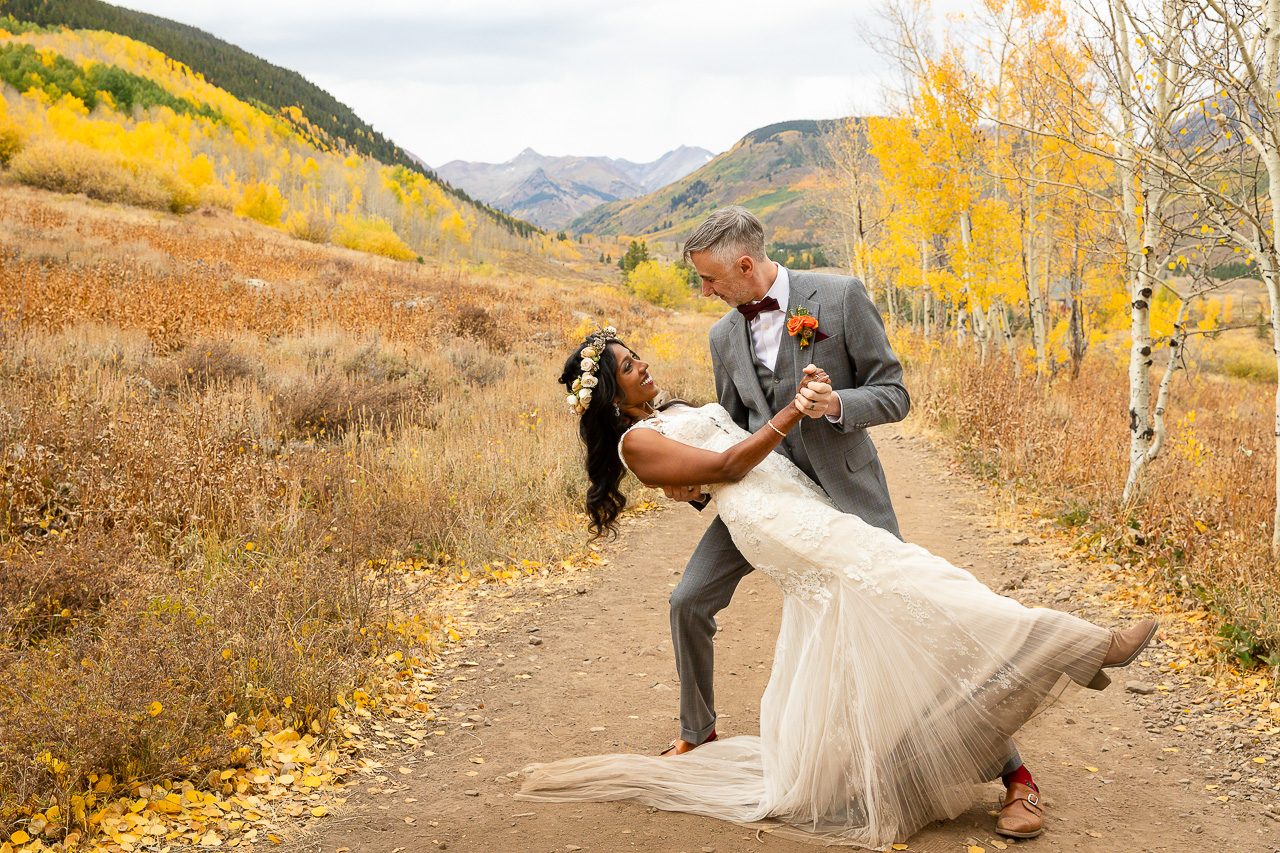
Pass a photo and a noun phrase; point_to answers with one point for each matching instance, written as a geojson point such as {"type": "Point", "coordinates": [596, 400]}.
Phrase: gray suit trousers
{"type": "Point", "coordinates": [705, 589]}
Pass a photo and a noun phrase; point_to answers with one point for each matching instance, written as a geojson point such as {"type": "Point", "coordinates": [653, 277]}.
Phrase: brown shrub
{"type": "Point", "coordinates": [331, 405]}
{"type": "Point", "coordinates": [201, 366]}
{"type": "Point", "coordinates": [472, 321]}
{"type": "Point", "coordinates": [372, 363]}
{"type": "Point", "coordinates": [141, 689]}
{"type": "Point", "coordinates": [475, 364]}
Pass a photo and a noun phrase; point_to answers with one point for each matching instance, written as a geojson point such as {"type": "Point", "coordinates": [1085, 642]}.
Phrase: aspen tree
{"type": "Point", "coordinates": [1228, 56]}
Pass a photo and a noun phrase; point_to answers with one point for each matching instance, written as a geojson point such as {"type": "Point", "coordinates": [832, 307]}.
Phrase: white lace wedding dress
{"type": "Point", "coordinates": [897, 677]}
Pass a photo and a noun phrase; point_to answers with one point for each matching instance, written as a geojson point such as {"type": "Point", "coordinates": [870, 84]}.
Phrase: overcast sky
{"type": "Point", "coordinates": [484, 79]}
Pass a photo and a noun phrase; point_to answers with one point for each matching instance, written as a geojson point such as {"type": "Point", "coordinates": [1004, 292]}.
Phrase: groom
{"type": "Point", "coordinates": [758, 363]}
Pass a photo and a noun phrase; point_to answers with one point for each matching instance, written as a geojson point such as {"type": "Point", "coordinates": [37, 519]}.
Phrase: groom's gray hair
{"type": "Point", "coordinates": [728, 234]}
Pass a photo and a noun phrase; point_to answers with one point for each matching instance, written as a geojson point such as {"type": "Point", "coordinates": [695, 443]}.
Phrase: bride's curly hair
{"type": "Point", "coordinates": [601, 427]}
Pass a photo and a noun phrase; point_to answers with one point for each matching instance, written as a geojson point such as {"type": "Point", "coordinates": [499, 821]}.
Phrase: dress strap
{"type": "Point", "coordinates": [652, 422]}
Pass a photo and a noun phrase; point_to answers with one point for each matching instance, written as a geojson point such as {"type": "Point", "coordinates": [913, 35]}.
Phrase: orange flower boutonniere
{"type": "Point", "coordinates": [801, 322]}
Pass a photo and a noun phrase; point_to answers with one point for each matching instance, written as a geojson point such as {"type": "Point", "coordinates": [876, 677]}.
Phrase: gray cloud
{"type": "Point", "coordinates": [483, 79]}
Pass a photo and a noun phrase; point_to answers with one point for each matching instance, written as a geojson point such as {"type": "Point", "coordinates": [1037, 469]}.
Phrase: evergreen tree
{"type": "Point", "coordinates": [637, 253]}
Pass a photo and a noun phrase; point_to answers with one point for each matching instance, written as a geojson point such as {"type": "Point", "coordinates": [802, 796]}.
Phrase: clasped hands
{"type": "Point", "coordinates": [815, 397]}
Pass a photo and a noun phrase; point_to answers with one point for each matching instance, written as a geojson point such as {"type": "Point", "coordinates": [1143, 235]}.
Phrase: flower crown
{"type": "Point", "coordinates": [580, 397]}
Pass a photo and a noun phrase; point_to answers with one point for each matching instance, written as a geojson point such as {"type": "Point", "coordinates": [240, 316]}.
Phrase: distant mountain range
{"type": "Point", "coordinates": [768, 171]}
{"type": "Point", "coordinates": [552, 191]}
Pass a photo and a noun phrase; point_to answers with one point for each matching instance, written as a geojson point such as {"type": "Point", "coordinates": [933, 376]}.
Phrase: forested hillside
{"type": "Point", "coordinates": [329, 123]}
{"type": "Point", "coordinates": [768, 171]}
{"type": "Point", "coordinates": [93, 112]}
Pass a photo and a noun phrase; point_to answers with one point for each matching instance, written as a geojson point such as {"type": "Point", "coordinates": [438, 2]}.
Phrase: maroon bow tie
{"type": "Point", "coordinates": [766, 304]}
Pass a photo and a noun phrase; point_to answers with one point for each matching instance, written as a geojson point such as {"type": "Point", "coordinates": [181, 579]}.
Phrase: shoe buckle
{"type": "Point", "coordinates": [1033, 798]}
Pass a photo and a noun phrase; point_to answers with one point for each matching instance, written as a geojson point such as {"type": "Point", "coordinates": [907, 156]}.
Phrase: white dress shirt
{"type": "Point", "coordinates": [768, 326]}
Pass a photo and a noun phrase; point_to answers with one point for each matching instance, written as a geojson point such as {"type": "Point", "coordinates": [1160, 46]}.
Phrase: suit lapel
{"type": "Point", "coordinates": [742, 366]}
{"type": "Point", "coordinates": [791, 357]}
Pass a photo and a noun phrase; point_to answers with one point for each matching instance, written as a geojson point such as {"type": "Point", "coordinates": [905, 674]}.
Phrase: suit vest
{"type": "Point", "coordinates": [793, 445]}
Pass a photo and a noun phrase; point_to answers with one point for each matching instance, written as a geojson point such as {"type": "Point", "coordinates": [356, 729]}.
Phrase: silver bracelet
{"type": "Point", "coordinates": [775, 429]}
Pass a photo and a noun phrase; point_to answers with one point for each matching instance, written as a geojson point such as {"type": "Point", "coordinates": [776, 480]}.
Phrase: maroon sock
{"type": "Point", "coordinates": [1020, 776]}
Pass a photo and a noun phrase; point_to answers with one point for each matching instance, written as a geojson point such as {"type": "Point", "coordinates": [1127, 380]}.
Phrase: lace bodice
{"type": "Point", "coordinates": [772, 511]}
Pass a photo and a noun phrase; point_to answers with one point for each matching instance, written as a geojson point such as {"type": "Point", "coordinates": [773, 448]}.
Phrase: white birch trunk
{"type": "Point", "coordinates": [1034, 297]}
{"type": "Point", "coordinates": [1136, 253]}
{"type": "Point", "coordinates": [1268, 259]}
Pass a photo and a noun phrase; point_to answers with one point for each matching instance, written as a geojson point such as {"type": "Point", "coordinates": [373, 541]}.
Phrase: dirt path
{"type": "Point", "coordinates": [1116, 774]}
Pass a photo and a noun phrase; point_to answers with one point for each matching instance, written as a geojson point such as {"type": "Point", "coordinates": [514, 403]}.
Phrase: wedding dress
{"type": "Point", "coordinates": [897, 677]}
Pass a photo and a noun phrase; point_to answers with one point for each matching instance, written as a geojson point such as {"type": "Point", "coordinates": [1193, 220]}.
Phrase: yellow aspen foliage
{"type": "Point", "coordinates": [262, 202]}
{"type": "Point", "coordinates": [455, 227]}
{"type": "Point", "coordinates": [663, 285]}
{"type": "Point", "coordinates": [369, 234]}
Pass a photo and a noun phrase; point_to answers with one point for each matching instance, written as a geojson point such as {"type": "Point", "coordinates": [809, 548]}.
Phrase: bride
{"type": "Point", "coordinates": [897, 678]}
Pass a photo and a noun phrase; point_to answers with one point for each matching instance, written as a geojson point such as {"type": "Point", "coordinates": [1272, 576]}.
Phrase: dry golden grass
{"type": "Point", "coordinates": [1243, 353]}
{"type": "Point", "coordinates": [1200, 533]}
{"type": "Point", "coordinates": [221, 445]}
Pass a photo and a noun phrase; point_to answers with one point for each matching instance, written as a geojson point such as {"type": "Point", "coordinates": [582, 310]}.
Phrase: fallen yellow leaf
{"type": "Point", "coordinates": [154, 708]}
{"type": "Point", "coordinates": [1092, 769]}
{"type": "Point", "coordinates": [319, 811]}
{"type": "Point", "coordinates": [899, 847]}
{"type": "Point", "coordinates": [19, 837]}
{"type": "Point", "coordinates": [1259, 760]}
{"type": "Point", "coordinates": [972, 849]}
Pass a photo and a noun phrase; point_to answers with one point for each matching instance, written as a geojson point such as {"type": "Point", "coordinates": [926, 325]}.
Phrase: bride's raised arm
{"type": "Point", "coordinates": [660, 461]}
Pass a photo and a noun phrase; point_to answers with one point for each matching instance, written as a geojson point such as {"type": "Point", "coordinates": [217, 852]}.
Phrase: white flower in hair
{"type": "Point", "coordinates": [586, 365]}
{"type": "Point", "coordinates": [577, 385]}
{"type": "Point", "coordinates": [584, 396]}
{"type": "Point", "coordinates": [589, 381]}
{"type": "Point", "coordinates": [589, 352]}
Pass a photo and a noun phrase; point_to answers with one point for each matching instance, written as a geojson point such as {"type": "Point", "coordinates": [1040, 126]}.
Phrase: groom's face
{"type": "Point", "coordinates": [734, 283]}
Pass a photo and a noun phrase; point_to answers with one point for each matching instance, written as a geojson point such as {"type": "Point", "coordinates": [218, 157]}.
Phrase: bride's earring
{"type": "Point", "coordinates": [616, 409]}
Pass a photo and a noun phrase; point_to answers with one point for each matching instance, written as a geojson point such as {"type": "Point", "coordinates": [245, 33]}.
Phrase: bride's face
{"type": "Point", "coordinates": [635, 385]}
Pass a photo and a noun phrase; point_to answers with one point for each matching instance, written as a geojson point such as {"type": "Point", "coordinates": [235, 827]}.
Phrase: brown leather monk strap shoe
{"type": "Point", "coordinates": [1022, 815]}
{"type": "Point", "coordinates": [680, 747]}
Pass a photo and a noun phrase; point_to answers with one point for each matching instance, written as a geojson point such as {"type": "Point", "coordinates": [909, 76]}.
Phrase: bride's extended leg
{"type": "Point", "coordinates": [705, 589]}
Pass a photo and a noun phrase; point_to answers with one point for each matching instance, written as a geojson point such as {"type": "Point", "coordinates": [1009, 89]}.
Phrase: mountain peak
{"type": "Point", "coordinates": [551, 191]}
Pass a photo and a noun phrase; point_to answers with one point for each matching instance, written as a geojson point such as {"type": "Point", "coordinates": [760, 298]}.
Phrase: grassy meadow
{"type": "Point", "coordinates": [239, 468]}
{"type": "Point", "coordinates": [1200, 534]}
{"type": "Point", "coordinates": [236, 466]}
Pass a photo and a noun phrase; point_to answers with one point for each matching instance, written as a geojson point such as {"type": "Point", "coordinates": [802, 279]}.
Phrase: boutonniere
{"type": "Point", "coordinates": [801, 322]}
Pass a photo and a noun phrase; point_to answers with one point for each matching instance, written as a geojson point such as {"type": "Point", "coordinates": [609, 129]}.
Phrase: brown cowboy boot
{"type": "Point", "coordinates": [1022, 815]}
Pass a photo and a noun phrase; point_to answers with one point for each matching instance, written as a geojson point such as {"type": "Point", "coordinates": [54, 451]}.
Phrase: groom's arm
{"type": "Point", "coordinates": [879, 397]}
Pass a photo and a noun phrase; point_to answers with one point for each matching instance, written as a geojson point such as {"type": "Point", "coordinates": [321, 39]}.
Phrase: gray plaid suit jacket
{"type": "Point", "coordinates": [863, 370]}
